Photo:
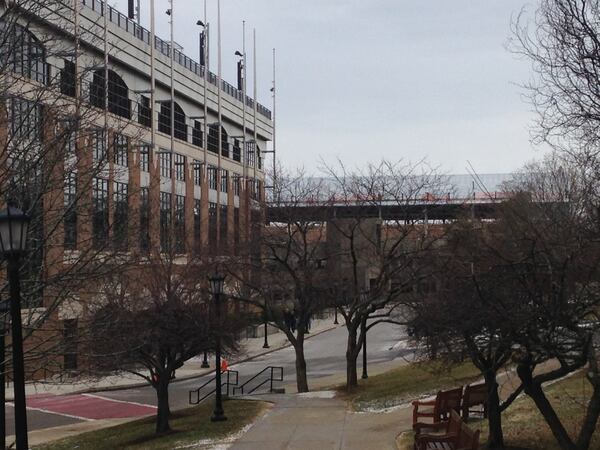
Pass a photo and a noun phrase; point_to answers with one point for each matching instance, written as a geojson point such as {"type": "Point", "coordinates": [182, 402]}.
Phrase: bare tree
{"type": "Point", "coordinates": [379, 244]}
{"type": "Point", "coordinates": [284, 272]}
{"type": "Point", "coordinates": [151, 329]}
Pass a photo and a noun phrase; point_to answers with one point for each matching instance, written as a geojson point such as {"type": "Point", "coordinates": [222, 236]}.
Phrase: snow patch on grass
{"type": "Point", "coordinates": [318, 394]}
{"type": "Point", "coordinates": [217, 444]}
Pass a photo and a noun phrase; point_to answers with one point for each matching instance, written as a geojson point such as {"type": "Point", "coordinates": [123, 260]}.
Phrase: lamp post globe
{"type": "Point", "coordinates": [14, 224]}
{"type": "Point", "coordinates": [217, 282]}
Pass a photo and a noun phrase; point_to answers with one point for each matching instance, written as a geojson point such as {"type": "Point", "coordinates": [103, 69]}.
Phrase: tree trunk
{"type": "Point", "coordinates": [534, 390]}
{"type": "Point", "coordinates": [591, 418]}
{"type": "Point", "coordinates": [496, 437]}
{"type": "Point", "coordinates": [351, 356]}
{"type": "Point", "coordinates": [301, 379]}
{"type": "Point", "coordinates": [163, 412]}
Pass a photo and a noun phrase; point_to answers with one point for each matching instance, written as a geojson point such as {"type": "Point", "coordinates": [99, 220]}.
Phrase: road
{"type": "Point", "coordinates": [325, 355]}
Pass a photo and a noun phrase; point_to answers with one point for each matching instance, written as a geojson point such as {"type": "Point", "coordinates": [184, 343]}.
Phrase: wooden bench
{"type": "Point", "coordinates": [475, 395]}
{"type": "Point", "coordinates": [457, 436]}
{"type": "Point", "coordinates": [437, 410]}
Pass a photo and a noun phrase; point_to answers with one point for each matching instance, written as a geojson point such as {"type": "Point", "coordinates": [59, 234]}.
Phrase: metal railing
{"type": "Point", "coordinates": [194, 395]}
{"type": "Point", "coordinates": [130, 26]}
{"type": "Point", "coordinates": [271, 370]}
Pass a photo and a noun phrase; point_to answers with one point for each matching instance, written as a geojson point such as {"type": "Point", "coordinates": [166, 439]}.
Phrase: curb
{"type": "Point", "coordinates": [123, 387]}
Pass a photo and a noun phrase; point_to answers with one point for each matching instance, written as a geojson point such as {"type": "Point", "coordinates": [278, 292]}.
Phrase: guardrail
{"type": "Point", "coordinates": [194, 395]}
{"type": "Point", "coordinates": [271, 370]}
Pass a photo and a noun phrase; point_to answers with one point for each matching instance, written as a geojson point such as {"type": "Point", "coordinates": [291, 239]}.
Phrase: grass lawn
{"type": "Point", "coordinates": [407, 383]}
{"type": "Point", "coordinates": [188, 426]}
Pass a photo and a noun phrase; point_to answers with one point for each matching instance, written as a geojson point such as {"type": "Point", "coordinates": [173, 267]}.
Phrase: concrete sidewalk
{"type": "Point", "coordinates": [318, 421]}
{"type": "Point", "coordinates": [250, 348]}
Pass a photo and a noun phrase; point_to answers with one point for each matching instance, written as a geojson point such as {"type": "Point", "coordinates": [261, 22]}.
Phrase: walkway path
{"type": "Point", "coordinates": [316, 421]}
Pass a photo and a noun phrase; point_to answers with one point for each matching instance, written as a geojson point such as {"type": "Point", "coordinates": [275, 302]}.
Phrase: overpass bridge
{"type": "Point", "coordinates": [425, 209]}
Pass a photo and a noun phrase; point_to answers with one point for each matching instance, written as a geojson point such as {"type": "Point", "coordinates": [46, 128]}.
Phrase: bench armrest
{"type": "Point", "coordinates": [421, 402]}
{"type": "Point", "coordinates": [432, 426]}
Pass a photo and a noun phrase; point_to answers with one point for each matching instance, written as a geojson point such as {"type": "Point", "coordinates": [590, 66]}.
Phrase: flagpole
{"type": "Point", "coordinates": [77, 46]}
{"type": "Point", "coordinates": [206, 76]}
{"type": "Point", "coordinates": [245, 151]}
{"type": "Point", "coordinates": [172, 17]}
{"type": "Point", "coordinates": [105, 11]}
{"type": "Point", "coordinates": [219, 113]}
{"type": "Point", "coordinates": [152, 81]}
{"type": "Point", "coordinates": [274, 124]}
{"type": "Point", "coordinates": [256, 156]}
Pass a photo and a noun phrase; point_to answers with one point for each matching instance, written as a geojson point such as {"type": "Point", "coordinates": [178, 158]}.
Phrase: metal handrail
{"type": "Point", "coordinates": [227, 383]}
{"type": "Point", "coordinates": [270, 379]}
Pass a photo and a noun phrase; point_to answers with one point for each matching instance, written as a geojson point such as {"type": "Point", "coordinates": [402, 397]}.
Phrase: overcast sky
{"type": "Point", "coordinates": [371, 79]}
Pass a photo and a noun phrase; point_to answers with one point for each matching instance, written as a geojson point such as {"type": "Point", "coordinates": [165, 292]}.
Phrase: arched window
{"type": "Point", "coordinates": [164, 121]}
{"type": "Point", "coordinates": [118, 93]}
{"type": "Point", "coordinates": [22, 52]}
{"type": "Point", "coordinates": [213, 140]}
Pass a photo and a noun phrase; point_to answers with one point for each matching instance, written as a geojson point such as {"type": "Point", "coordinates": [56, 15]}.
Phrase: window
{"type": "Point", "coordinates": [236, 231]}
{"type": "Point", "coordinates": [145, 219]}
{"type": "Point", "coordinates": [165, 221]}
{"type": "Point", "coordinates": [237, 182]}
{"type": "Point", "coordinates": [258, 157]}
{"type": "Point", "coordinates": [179, 167]}
{"type": "Point", "coordinates": [212, 177]}
{"type": "Point", "coordinates": [25, 122]}
{"type": "Point", "coordinates": [71, 145]}
{"type": "Point", "coordinates": [251, 185]}
{"type": "Point", "coordinates": [145, 157]}
{"type": "Point", "coordinates": [70, 214]}
{"type": "Point", "coordinates": [213, 138]}
{"type": "Point", "coordinates": [144, 112]}
{"type": "Point", "coordinates": [197, 134]}
{"type": "Point", "coordinates": [67, 79]}
{"type": "Point", "coordinates": [164, 121]}
{"type": "Point", "coordinates": [197, 172]}
{"type": "Point", "coordinates": [118, 93]}
{"type": "Point", "coordinates": [121, 216]}
{"type": "Point", "coordinates": [237, 151]}
{"type": "Point", "coordinates": [212, 227]}
{"type": "Point", "coordinates": [250, 153]}
{"type": "Point", "coordinates": [70, 338]}
{"type": "Point", "coordinates": [22, 52]}
{"type": "Point", "coordinates": [99, 145]}
{"type": "Point", "coordinates": [223, 226]}
{"type": "Point", "coordinates": [100, 214]}
{"type": "Point", "coordinates": [197, 226]}
{"type": "Point", "coordinates": [165, 164]}
{"type": "Point", "coordinates": [224, 181]}
{"type": "Point", "coordinates": [224, 143]}
{"type": "Point", "coordinates": [179, 224]}
{"type": "Point", "coordinates": [258, 190]}
{"type": "Point", "coordinates": [121, 146]}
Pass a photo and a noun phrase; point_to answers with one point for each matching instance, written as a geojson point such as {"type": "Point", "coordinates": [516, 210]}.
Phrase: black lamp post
{"type": "Point", "coordinates": [217, 282]}
{"type": "Point", "coordinates": [13, 236]}
{"type": "Point", "coordinates": [363, 326]}
{"type": "Point", "coordinates": [266, 342]}
{"type": "Point", "coordinates": [3, 311]}
{"type": "Point", "coordinates": [205, 364]}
